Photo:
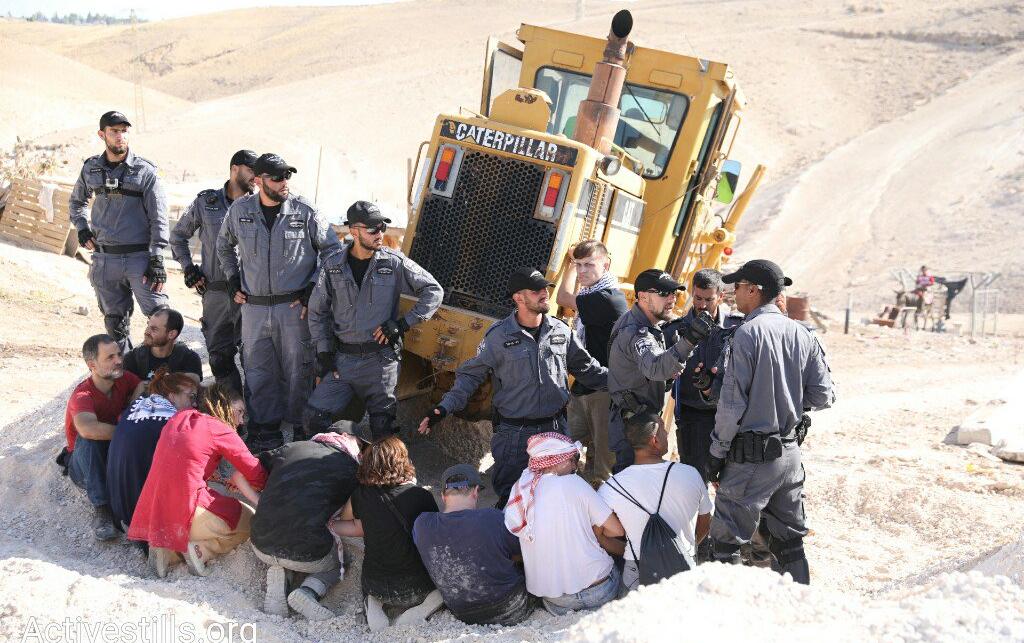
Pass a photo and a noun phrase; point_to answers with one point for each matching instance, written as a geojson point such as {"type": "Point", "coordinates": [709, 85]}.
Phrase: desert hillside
{"type": "Point", "coordinates": [827, 81]}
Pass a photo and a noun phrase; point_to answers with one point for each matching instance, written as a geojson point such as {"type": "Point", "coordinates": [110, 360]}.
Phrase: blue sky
{"type": "Point", "coordinates": [156, 10]}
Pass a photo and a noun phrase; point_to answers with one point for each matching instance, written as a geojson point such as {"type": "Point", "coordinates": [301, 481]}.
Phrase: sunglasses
{"type": "Point", "coordinates": [277, 178]}
{"type": "Point", "coordinates": [377, 229]}
{"type": "Point", "coordinates": [661, 293]}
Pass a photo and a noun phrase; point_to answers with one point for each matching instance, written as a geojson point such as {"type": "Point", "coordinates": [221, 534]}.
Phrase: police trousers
{"type": "Point", "coordinates": [617, 440]}
{"type": "Point", "coordinates": [277, 357]}
{"type": "Point", "coordinates": [115, 278]}
{"type": "Point", "coordinates": [508, 447]}
{"type": "Point", "coordinates": [748, 491]}
{"type": "Point", "coordinates": [222, 330]}
{"type": "Point", "coordinates": [693, 435]}
{"type": "Point", "coordinates": [372, 377]}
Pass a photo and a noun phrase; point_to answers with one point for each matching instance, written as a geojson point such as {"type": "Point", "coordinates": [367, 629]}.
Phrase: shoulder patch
{"type": "Point", "coordinates": [481, 346]}
{"type": "Point", "coordinates": [512, 342]}
{"type": "Point", "coordinates": [640, 345]}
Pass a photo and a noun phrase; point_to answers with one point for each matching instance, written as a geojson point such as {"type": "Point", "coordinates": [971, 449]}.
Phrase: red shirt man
{"type": "Point", "coordinates": [90, 421]}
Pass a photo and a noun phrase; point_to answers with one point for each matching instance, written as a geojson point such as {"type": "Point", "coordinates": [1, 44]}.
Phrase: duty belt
{"type": "Point", "coordinates": [501, 419]}
{"type": "Point", "coordinates": [122, 249]}
{"type": "Point", "coordinates": [753, 448]}
{"type": "Point", "coordinates": [364, 348]}
{"type": "Point", "coordinates": [273, 300]}
{"type": "Point", "coordinates": [219, 285]}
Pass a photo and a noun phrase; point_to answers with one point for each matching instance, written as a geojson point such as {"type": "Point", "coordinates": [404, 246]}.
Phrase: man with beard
{"type": "Point", "coordinates": [280, 239]}
{"type": "Point", "coordinates": [222, 317]}
{"type": "Point", "coordinates": [160, 347]}
{"type": "Point", "coordinates": [89, 422]}
{"type": "Point", "coordinates": [126, 229]}
{"type": "Point", "coordinates": [640, 366]}
{"type": "Point", "coordinates": [529, 357]}
{"type": "Point", "coordinates": [356, 327]}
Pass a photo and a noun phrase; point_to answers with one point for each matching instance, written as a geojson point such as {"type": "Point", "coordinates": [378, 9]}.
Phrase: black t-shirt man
{"type": "Point", "coordinates": [598, 312]}
{"type": "Point", "coordinates": [141, 361]}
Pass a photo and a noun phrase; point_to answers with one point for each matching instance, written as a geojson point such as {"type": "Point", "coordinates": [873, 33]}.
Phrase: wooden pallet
{"type": "Point", "coordinates": [24, 219]}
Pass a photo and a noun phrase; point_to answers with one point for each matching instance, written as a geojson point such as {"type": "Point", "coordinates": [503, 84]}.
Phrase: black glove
{"type": "Point", "coordinates": [713, 468]}
{"type": "Point", "coordinates": [394, 329]}
{"type": "Point", "coordinates": [326, 363]}
{"type": "Point", "coordinates": [235, 285]}
{"type": "Point", "coordinates": [702, 380]}
{"type": "Point", "coordinates": [698, 329]}
{"type": "Point", "coordinates": [155, 273]}
{"type": "Point", "coordinates": [436, 414]}
{"type": "Point", "coordinates": [85, 236]}
{"type": "Point", "coordinates": [801, 428]}
{"type": "Point", "coordinates": [306, 292]}
{"type": "Point", "coordinates": [193, 275]}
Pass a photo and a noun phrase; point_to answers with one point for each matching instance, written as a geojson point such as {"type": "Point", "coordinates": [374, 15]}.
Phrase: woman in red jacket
{"type": "Point", "coordinates": [177, 511]}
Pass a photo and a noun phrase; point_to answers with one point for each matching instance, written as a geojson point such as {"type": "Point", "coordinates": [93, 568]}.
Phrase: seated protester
{"type": "Point", "coordinates": [308, 482]}
{"type": "Point", "coordinates": [564, 529]}
{"type": "Point", "coordinates": [177, 511]}
{"type": "Point", "coordinates": [675, 491]}
{"type": "Point", "coordinates": [470, 554]}
{"type": "Point", "coordinates": [160, 347]}
{"type": "Point", "coordinates": [136, 436]}
{"type": "Point", "coordinates": [382, 511]}
{"type": "Point", "coordinates": [90, 422]}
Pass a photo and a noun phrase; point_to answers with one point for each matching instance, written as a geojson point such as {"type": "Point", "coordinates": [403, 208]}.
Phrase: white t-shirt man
{"type": "Point", "coordinates": [686, 496]}
{"type": "Point", "coordinates": [565, 557]}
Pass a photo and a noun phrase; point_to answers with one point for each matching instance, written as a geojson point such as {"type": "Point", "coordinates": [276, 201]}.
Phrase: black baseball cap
{"type": "Point", "coordinates": [244, 157]}
{"type": "Point", "coordinates": [460, 476]}
{"type": "Point", "coordinates": [659, 281]}
{"type": "Point", "coordinates": [113, 118]}
{"type": "Point", "coordinates": [356, 429]}
{"type": "Point", "coordinates": [761, 272]}
{"type": "Point", "coordinates": [365, 213]}
{"type": "Point", "coordinates": [272, 164]}
{"type": "Point", "coordinates": [527, 279]}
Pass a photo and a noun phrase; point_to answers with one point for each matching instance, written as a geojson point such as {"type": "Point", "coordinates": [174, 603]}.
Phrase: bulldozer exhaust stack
{"type": "Point", "coordinates": [598, 115]}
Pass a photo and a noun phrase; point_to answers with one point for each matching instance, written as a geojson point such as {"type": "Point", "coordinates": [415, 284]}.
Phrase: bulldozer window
{"type": "Point", "coordinates": [649, 122]}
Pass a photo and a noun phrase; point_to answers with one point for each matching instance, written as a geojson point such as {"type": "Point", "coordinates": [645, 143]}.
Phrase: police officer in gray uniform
{"type": "Point", "coordinates": [271, 274]}
{"type": "Point", "coordinates": [127, 229]}
{"type": "Point", "coordinates": [529, 356]}
{"type": "Point", "coordinates": [222, 317]}
{"type": "Point", "coordinates": [640, 364]}
{"type": "Point", "coordinates": [355, 325]}
{"type": "Point", "coordinates": [775, 370]}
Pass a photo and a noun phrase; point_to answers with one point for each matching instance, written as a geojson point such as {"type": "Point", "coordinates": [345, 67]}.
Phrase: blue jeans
{"type": "Point", "coordinates": [88, 469]}
{"type": "Point", "coordinates": [588, 599]}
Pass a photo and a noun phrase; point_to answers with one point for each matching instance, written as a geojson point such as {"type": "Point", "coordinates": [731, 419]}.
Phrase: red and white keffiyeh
{"type": "Point", "coordinates": [545, 450]}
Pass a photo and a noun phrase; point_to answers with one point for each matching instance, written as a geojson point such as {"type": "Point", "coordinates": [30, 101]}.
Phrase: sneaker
{"type": "Point", "coordinates": [376, 619]}
{"type": "Point", "coordinates": [304, 601]}
{"type": "Point", "coordinates": [421, 612]}
{"type": "Point", "coordinates": [277, 586]}
{"type": "Point", "coordinates": [194, 560]}
{"type": "Point", "coordinates": [103, 524]}
{"type": "Point", "coordinates": [160, 560]}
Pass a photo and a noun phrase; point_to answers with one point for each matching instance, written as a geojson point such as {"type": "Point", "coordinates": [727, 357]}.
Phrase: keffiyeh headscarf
{"type": "Point", "coordinates": [342, 441]}
{"type": "Point", "coordinates": [545, 450]}
{"type": "Point", "coordinates": [151, 407]}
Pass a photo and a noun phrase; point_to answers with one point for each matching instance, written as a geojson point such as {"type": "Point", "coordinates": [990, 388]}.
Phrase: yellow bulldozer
{"type": "Point", "coordinates": [577, 137]}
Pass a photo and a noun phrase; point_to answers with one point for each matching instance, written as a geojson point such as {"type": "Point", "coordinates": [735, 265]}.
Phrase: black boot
{"type": "Point", "coordinates": [264, 437]}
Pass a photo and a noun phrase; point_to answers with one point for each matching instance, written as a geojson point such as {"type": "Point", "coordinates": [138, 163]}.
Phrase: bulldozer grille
{"type": "Point", "coordinates": [473, 241]}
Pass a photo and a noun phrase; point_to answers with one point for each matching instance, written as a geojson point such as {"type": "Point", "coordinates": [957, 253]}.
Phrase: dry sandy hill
{"type": "Point", "coordinates": [358, 87]}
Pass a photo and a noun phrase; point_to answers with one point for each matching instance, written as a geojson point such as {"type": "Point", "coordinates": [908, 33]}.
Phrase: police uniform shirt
{"type": "Point", "coordinates": [639, 362]}
{"type": "Point", "coordinates": [775, 369]}
{"type": "Point", "coordinates": [530, 377]}
{"type": "Point", "coordinates": [205, 214]}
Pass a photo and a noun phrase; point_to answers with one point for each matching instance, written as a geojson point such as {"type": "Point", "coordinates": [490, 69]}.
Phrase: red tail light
{"type": "Point", "coordinates": [444, 168]}
{"type": "Point", "coordinates": [551, 195]}
{"type": "Point", "coordinates": [727, 251]}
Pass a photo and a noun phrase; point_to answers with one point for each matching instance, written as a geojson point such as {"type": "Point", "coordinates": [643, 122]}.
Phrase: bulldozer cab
{"type": "Point", "coordinates": [678, 118]}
